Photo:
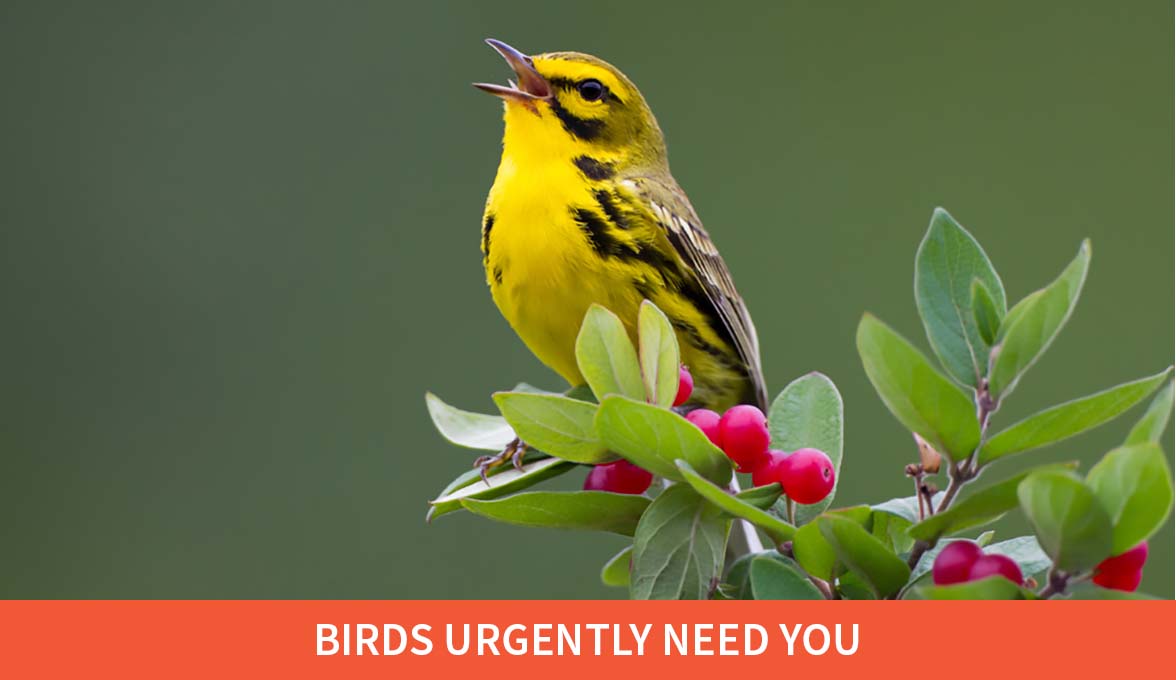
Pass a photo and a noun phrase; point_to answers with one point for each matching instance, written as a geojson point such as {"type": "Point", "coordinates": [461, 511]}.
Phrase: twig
{"type": "Point", "coordinates": [965, 470]}
{"type": "Point", "coordinates": [1058, 581]}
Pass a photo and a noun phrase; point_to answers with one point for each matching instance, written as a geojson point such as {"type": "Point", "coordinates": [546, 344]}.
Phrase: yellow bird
{"type": "Point", "coordinates": [584, 210]}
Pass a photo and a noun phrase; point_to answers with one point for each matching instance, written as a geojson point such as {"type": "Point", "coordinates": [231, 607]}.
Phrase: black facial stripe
{"type": "Point", "coordinates": [584, 128]}
{"type": "Point", "coordinates": [594, 169]}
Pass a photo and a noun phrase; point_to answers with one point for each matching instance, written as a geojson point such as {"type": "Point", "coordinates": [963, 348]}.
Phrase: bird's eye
{"type": "Point", "coordinates": [591, 90]}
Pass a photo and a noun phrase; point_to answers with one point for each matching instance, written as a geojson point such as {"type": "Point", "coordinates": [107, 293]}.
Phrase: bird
{"type": "Point", "coordinates": [584, 210]}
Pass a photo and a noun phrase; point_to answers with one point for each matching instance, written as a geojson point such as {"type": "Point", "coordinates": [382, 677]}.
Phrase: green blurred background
{"type": "Point", "coordinates": [240, 242]}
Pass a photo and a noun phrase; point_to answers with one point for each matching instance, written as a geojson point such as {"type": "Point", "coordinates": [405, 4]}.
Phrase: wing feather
{"type": "Point", "coordinates": [685, 232]}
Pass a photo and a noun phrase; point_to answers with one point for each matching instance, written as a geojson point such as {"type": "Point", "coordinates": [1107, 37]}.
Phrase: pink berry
{"type": "Point", "coordinates": [685, 386]}
{"type": "Point", "coordinates": [807, 476]}
{"type": "Point", "coordinates": [707, 421]}
{"type": "Point", "coordinates": [769, 469]}
{"type": "Point", "coordinates": [1123, 571]}
{"type": "Point", "coordinates": [618, 477]}
{"type": "Point", "coordinates": [996, 565]}
{"type": "Point", "coordinates": [743, 430]}
{"type": "Point", "coordinates": [954, 563]}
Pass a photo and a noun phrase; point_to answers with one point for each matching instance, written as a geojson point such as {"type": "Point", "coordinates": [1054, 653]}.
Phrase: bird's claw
{"type": "Point", "coordinates": [513, 452]}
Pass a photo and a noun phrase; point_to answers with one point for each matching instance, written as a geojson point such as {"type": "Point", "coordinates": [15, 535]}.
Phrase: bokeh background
{"type": "Point", "coordinates": [240, 242]}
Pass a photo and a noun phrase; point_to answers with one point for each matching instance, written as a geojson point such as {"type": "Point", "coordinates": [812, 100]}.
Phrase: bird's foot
{"type": "Point", "coordinates": [513, 452]}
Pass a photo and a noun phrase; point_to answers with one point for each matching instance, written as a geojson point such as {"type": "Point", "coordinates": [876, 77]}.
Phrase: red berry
{"type": "Point", "coordinates": [743, 430]}
{"type": "Point", "coordinates": [954, 563]}
{"type": "Point", "coordinates": [807, 476]}
{"type": "Point", "coordinates": [619, 477]}
{"type": "Point", "coordinates": [685, 386]}
{"type": "Point", "coordinates": [1124, 571]}
{"type": "Point", "coordinates": [1127, 581]}
{"type": "Point", "coordinates": [707, 421]}
{"type": "Point", "coordinates": [769, 469]}
{"type": "Point", "coordinates": [996, 565]}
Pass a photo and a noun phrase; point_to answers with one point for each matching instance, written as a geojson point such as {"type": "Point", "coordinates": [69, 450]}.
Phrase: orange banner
{"type": "Point", "coordinates": [562, 640]}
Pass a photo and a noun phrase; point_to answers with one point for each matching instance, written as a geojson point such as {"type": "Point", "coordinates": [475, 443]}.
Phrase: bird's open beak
{"type": "Point", "coordinates": [530, 87]}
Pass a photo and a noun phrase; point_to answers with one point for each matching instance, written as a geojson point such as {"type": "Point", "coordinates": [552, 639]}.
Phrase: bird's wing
{"type": "Point", "coordinates": [677, 218]}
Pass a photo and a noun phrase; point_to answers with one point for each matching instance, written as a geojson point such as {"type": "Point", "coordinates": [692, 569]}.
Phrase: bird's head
{"type": "Point", "coordinates": [564, 103]}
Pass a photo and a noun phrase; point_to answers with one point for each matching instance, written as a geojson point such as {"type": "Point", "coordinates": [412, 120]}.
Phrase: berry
{"type": "Point", "coordinates": [685, 386]}
{"type": "Point", "coordinates": [996, 565]}
{"type": "Point", "coordinates": [707, 421]}
{"type": "Point", "coordinates": [1128, 581]}
{"type": "Point", "coordinates": [769, 469]}
{"type": "Point", "coordinates": [743, 430]}
{"type": "Point", "coordinates": [807, 476]}
{"type": "Point", "coordinates": [619, 477]}
{"type": "Point", "coordinates": [1124, 571]}
{"type": "Point", "coordinates": [954, 563]}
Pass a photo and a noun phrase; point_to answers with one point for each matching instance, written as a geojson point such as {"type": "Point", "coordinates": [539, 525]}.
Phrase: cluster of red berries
{"type": "Point", "coordinates": [1122, 572]}
{"type": "Point", "coordinates": [963, 561]}
{"type": "Point", "coordinates": [806, 475]}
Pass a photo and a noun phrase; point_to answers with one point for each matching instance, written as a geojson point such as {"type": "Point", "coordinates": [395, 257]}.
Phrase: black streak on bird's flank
{"type": "Point", "coordinates": [498, 275]}
{"type": "Point", "coordinates": [597, 231]}
{"type": "Point", "coordinates": [486, 227]}
{"type": "Point", "coordinates": [584, 128]}
{"type": "Point", "coordinates": [594, 169]}
{"type": "Point", "coordinates": [610, 208]}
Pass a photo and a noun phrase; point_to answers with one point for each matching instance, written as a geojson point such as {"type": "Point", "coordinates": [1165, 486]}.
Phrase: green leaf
{"type": "Point", "coordinates": [814, 553]}
{"type": "Point", "coordinates": [776, 528]}
{"type": "Point", "coordinates": [594, 510]}
{"type": "Point", "coordinates": [1033, 323]}
{"type": "Point", "coordinates": [471, 430]}
{"type": "Point", "coordinates": [615, 572]}
{"type": "Point", "coordinates": [919, 396]}
{"type": "Point", "coordinates": [949, 259]}
{"type": "Point", "coordinates": [579, 393]}
{"type": "Point", "coordinates": [606, 356]}
{"type": "Point", "coordinates": [1134, 486]}
{"type": "Point", "coordinates": [892, 531]}
{"type": "Point", "coordinates": [1070, 523]}
{"type": "Point", "coordinates": [864, 555]}
{"type": "Point", "coordinates": [852, 587]}
{"type": "Point", "coordinates": [1151, 426]}
{"type": "Point", "coordinates": [776, 580]}
{"type": "Point", "coordinates": [678, 548]}
{"type": "Point", "coordinates": [1068, 419]}
{"type": "Point", "coordinates": [808, 413]}
{"type": "Point", "coordinates": [987, 316]}
{"type": "Point", "coordinates": [985, 538]}
{"type": "Point", "coordinates": [653, 438]}
{"type": "Point", "coordinates": [659, 355]}
{"type": "Point", "coordinates": [982, 507]}
{"type": "Point", "coordinates": [762, 497]}
{"type": "Point", "coordinates": [1025, 551]}
{"type": "Point", "coordinates": [737, 582]}
{"type": "Point", "coordinates": [556, 425]}
{"type": "Point", "coordinates": [991, 588]}
{"type": "Point", "coordinates": [503, 480]}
